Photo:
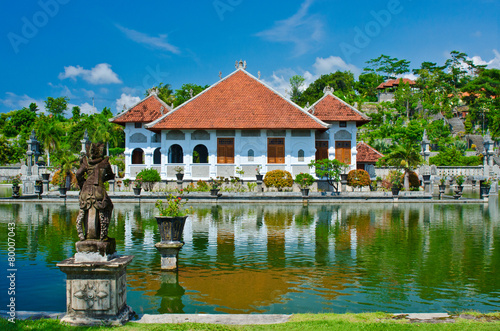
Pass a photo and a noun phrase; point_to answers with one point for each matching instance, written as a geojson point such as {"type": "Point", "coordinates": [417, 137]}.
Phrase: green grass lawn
{"type": "Point", "coordinates": [302, 322]}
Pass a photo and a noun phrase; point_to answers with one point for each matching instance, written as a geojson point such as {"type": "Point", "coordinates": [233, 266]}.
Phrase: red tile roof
{"type": "Point", "coordinates": [367, 154]}
{"type": "Point", "coordinates": [239, 101]}
{"type": "Point", "coordinates": [330, 109]}
{"type": "Point", "coordinates": [146, 111]}
{"type": "Point", "coordinates": [394, 83]}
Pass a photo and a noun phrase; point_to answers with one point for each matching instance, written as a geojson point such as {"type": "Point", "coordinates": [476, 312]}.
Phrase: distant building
{"type": "Point", "coordinates": [367, 158]}
{"type": "Point", "coordinates": [387, 89]}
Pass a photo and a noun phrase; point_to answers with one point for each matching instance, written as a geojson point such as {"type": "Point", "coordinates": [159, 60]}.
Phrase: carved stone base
{"type": "Point", "coordinates": [96, 292]}
{"type": "Point", "coordinates": [94, 250]}
{"type": "Point", "coordinates": [169, 253]}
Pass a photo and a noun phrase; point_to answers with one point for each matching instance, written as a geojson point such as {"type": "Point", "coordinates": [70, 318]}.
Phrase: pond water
{"type": "Point", "coordinates": [257, 258]}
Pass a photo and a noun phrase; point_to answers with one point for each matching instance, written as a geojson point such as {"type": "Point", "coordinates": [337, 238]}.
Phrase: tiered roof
{"type": "Point", "coordinates": [330, 109]}
{"type": "Point", "coordinates": [145, 111]}
{"type": "Point", "coordinates": [239, 101]}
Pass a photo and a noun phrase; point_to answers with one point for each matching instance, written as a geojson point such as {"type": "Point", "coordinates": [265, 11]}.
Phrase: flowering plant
{"type": "Point", "coordinates": [138, 183]}
{"type": "Point", "coordinates": [258, 169]}
{"type": "Point", "coordinates": [16, 180]}
{"type": "Point", "coordinates": [487, 183]}
{"type": "Point", "coordinates": [460, 180]}
{"type": "Point", "coordinates": [179, 169]}
{"type": "Point", "coordinates": [173, 207]}
{"type": "Point", "coordinates": [304, 180]}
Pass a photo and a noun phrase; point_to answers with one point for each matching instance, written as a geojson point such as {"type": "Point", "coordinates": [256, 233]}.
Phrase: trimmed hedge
{"type": "Point", "coordinates": [278, 179]}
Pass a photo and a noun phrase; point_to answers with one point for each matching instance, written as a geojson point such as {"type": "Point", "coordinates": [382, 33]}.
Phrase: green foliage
{"type": "Point", "coordinates": [358, 178]}
{"type": "Point", "coordinates": [304, 180]}
{"type": "Point", "coordinates": [296, 83]}
{"type": "Point", "coordinates": [460, 179]}
{"type": "Point", "coordinates": [57, 106]}
{"type": "Point", "coordinates": [165, 93]}
{"type": "Point", "coordinates": [10, 152]}
{"type": "Point", "coordinates": [118, 161]}
{"type": "Point", "coordinates": [278, 179]}
{"type": "Point", "coordinates": [116, 151]}
{"type": "Point", "coordinates": [453, 157]}
{"type": "Point", "coordinates": [367, 84]}
{"type": "Point", "coordinates": [341, 81]}
{"type": "Point", "coordinates": [184, 93]}
{"type": "Point", "coordinates": [414, 180]}
{"type": "Point", "coordinates": [390, 67]}
{"type": "Point", "coordinates": [329, 169]}
{"type": "Point", "coordinates": [148, 177]}
{"type": "Point", "coordinates": [395, 178]}
{"type": "Point", "coordinates": [173, 207]}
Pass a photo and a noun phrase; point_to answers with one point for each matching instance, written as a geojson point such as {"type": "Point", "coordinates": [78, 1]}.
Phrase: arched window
{"type": "Point", "coordinates": [157, 156]}
{"type": "Point", "coordinates": [175, 154]}
{"type": "Point", "coordinates": [301, 155]}
{"type": "Point", "coordinates": [138, 156]}
{"type": "Point", "coordinates": [251, 155]}
{"type": "Point", "coordinates": [200, 154]}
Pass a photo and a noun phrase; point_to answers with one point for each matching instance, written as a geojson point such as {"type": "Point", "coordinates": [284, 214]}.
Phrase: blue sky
{"type": "Point", "coordinates": [113, 51]}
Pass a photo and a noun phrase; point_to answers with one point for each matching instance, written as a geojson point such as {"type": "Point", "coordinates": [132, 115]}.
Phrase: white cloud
{"type": "Point", "coordinates": [493, 63]}
{"type": "Point", "coordinates": [130, 90]}
{"type": "Point", "coordinates": [332, 64]}
{"type": "Point", "coordinates": [159, 42]}
{"type": "Point", "coordinates": [127, 100]}
{"type": "Point", "coordinates": [280, 80]}
{"type": "Point", "coordinates": [301, 29]}
{"type": "Point", "coordinates": [14, 101]}
{"type": "Point", "coordinates": [100, 74]}
{"type": "Point", "coordinates": [85, 108]}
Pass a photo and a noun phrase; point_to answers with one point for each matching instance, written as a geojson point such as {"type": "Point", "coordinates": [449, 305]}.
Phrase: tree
{"type": "Point", "coordinates": [184, 93]}
{"type": "Point", "coordinates": [49, 133]}
{"type": "Point", "coordinates": [75, 112]}
{"type": "Point", "coordinates": [57, 106]}
{"type": "Point", "coordinates": [404, 156]}
{"type": "Point", "coordinates": [329, 169]}
{"type": "Point", "coordinates": [296, 82]}
{"type": "Point", "coordinates": [389, 67]}
{"type": "Point", "coordinates": [342, 83]}
{"type": "Point", "coordinates": [367, 84]}
{"type": "Point", "coordinates": [165, 93]}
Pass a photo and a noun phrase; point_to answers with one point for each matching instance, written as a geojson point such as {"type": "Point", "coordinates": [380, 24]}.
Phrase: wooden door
{"type": "Point", "coordinates": [343, 151]}
{"type": "Point", "coordinates": [225, 150]}
{"type": "Point", "coordinates": [321, 150]}
{"type": "Point", "coordinates": [276, 150]}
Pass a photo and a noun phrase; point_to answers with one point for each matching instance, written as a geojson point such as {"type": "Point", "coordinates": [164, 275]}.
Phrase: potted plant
{"type": "Point", "coordinates": [258, 175]}
{"type": "Point", "coordinates": [61, 183]}
{"type": "Point", "coordinates": [16, 181]}
{"type": "Point", "coordinates": [460, 179]}
{"type": "Point", "coordinates": [38, 188]}
{"type": "Point", "coordinates": [215, 185]}
{"type": "Point", "coordinates": [485, 188]}
{"type": "Point", "coordinates": [171, 219]}
{"type": "Point", "coordinates": [137, 187]}
{"type": "Point", "coordinates": [304, 180]}
{"type": "Point", "coordinates": [395, 178]}
{"type": "Point", "coordinates": [442, 184]}
{"type": "Point", "coordinates": [179, 173]}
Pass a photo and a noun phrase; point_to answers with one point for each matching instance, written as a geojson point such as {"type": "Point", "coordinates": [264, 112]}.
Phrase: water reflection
{"type": "Point", "coordinates": [247, 258]}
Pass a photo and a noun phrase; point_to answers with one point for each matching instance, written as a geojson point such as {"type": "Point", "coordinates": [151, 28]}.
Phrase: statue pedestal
{"type": "Point", "coordinates": [96, 292]}
{"type": "Point", "coordinates": [169, 254]}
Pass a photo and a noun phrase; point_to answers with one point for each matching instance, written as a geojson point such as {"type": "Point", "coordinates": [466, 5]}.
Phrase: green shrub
{"type": "Point", "coordinates": [116, 151]}
{"type": "Point", "coordinates": [278, 179]}
{"type": "Point", "coordinates": [148, 177]}
{"type": "Point", "coordinates": [454, 157]}
{"type": "Point", "coordinates": [414, 181]}
{"type": "Point", "coordinates": [304, 180]}
{"type": "Point", "coordinates": [358, 178]}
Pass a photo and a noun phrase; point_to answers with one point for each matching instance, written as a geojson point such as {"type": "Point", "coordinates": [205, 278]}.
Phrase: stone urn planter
{"type": "Point", "coordinates": [179, 176]}
{"type": "Point", "coordinates": [38, 188]}
{"type": "Point", "coordinates": [137, 190]}
{"type": "Point", "coordinates": [214, 192]}
{"type": "Point", "coordinates": [426, 178]}
{"type": "Point", "coordinates": [484, 191]}
{"type": "Point", "coordinates": [171, 228]}
{"type": "Point", "coordinates": [460, 188]}
{"type": "Point", "coordinates": [305, 192]}
{"type": "Point", "coordinates": [62, 192]}
{"type": "Point", "coordinates": [15, 191]}
{"type": "Point", "coordinates": [395, 190]}
{"type": "Point", "coordinates": [45, 176]}
{"type": "Point", "coordinates": [442, 188]}
{"type": "Point", "coordinates": [259, 177]}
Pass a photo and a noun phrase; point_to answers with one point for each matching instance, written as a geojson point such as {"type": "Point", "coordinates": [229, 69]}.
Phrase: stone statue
{"type": "Point", "coordinates": [95, 204]}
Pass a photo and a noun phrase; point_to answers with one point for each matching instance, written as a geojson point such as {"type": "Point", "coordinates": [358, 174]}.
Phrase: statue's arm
{"type": "Point", "coordinates": [108, 172]}
{"type": "Point", "coordinates": [80, 173]}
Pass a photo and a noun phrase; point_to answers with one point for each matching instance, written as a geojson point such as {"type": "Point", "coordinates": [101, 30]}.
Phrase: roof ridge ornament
{"type": "Point", "coordinates": [328, 89]}
{"type": "Point", "coordinates": [241, 65]}
{"type": "Point", "coordinates": [259, 74]}
{"type": "Point", "coordinates": [220, 74]}
{"type": "Point", "coordinates": [153, 91]}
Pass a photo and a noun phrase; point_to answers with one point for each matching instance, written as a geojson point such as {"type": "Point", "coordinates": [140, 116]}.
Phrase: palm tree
{"type": "Point", "coordinates": [406, 156]}
{"type": "Point", "coordinates": [49, 133]}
